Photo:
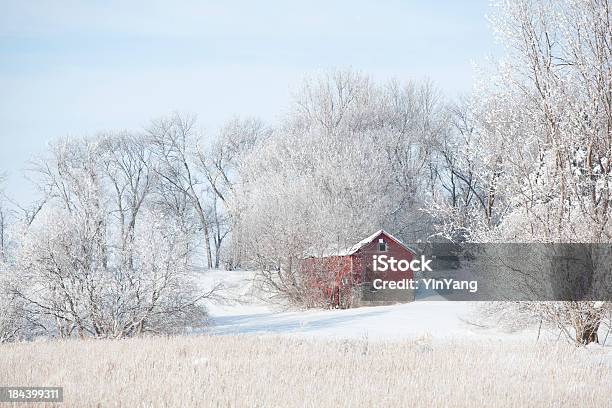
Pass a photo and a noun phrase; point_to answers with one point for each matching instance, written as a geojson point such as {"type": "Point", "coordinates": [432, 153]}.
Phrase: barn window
{"type": "Point", "coordinates": [382, 246]}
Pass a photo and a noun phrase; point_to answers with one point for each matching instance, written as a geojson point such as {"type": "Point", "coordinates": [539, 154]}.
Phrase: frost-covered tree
{"type": "Point", "coordinates": [200, 173]}
{"type": "Point", "coordinates": [540, 154]}
{"type": "Point", "coordinates": [221, 162]}
{"type": "Point", "coordinates": [351, 156]}
{"type": "Point", "coordinates": [11, 322]}
{"type": "Point", "coordinates": [101, 259]}
{"type": "Point", "coordinates": [4, 215]}
{"type": "Point", "coordinates": [175, 142]}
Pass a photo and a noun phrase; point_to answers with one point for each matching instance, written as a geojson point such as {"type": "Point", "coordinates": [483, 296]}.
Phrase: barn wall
{"type": "Point", "coordinates": [364, 274]}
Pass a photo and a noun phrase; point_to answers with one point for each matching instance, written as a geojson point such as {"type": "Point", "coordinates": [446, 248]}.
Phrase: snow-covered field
{"type": "Point", "coordinates": [431, 355]}
{"type": "Point", "coordinates": [265, 371]}
{"type": "Point", "coordinates": [241, 312]}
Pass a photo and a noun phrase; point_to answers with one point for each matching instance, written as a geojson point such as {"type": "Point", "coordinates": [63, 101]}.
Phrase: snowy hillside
{"type": "Point", "coordinates": [240, 312]}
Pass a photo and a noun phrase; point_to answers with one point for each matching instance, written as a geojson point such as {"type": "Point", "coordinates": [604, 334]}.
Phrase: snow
{"type": "Point", "coordinates": [241, 313]}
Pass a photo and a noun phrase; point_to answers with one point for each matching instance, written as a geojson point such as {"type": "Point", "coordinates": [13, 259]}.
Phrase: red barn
{"type": "Point", "coordinates": [346, 277]}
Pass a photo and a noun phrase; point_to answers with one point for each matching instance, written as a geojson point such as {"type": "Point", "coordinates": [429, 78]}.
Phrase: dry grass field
{"type": "Point", "coordinates": [229, 371]}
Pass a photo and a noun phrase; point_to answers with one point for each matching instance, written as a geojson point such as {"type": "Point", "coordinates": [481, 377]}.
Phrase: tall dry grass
{"type": "Point", "coordinates": [281, 372]}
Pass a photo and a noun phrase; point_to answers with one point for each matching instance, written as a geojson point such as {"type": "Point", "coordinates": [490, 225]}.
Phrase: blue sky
{"type": "Point", "coordinates": [80, 67]}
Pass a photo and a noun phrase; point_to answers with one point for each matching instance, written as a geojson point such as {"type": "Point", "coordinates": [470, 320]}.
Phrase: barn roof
{"type": "Point", "coordinates": [364, 242]}
{"type": "Point", "coordinates": [368, 240]}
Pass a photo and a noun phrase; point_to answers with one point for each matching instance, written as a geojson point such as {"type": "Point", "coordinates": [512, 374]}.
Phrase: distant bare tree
{"type": "Point", "coordinates": [175, 140]}
{"type": "Point", "coordinates": [221, 163]}
{"type": "Point", "coordinates": [128, 166]}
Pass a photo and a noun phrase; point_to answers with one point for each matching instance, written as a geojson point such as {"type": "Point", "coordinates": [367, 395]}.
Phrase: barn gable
{"type": "Point", "coordinates": [376, 237]}
{"type": "Point", "coordinates": [360, 246]}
